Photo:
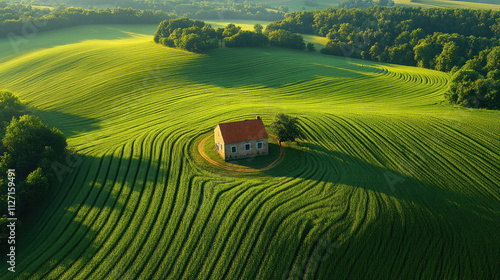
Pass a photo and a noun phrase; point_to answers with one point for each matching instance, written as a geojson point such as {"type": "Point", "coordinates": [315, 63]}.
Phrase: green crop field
{"type": "Point", "coordinates": [453, 4]}
{"type": "Point", "coordinates": [244, 24]}
{"type": "Point", "coordinates": [390, 182]}
{"type": "Point", "coordinates": [298, 5]}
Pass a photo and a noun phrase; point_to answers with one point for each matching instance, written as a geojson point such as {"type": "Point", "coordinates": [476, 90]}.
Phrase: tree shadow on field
{"type": "Point", "coordinates": [313, 162]}
{"type": "Point", "coordinates": [417, 220]}
{"type": "Point", "coordinates": [69, 124]}
{"type": "Point", "coordinates": [63, 229]}
{"type": "Point", "coordinates": [270, 67]}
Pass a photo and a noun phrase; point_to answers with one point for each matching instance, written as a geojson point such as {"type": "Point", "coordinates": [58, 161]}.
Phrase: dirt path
{"type": "Point", "coordinates": [218, 164]}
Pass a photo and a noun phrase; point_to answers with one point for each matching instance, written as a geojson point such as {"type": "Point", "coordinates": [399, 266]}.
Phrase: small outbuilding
{"type": "Point", "coordinates": [235, 140]}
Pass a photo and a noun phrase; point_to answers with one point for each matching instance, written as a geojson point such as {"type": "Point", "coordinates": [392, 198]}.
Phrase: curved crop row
{"type": "Point", "coordinates": [385, 183]}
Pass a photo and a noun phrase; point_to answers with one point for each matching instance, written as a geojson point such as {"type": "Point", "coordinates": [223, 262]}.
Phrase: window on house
{"type": "Point", "coordinates": [217, 146]}
{"type": "Point", "coordinates": [248, 146]}
{"type": "Point", "coordinates": [260, 145]}
{"type": "Point", "coordinates": [233, 149]}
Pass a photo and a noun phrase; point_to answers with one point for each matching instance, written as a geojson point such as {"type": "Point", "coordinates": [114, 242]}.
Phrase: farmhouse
{"type": "Point", "coordinates": [235, 140]}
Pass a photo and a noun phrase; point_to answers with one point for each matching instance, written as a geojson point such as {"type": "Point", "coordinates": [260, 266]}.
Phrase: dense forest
{"type": "Point", "coordinates": [187, 8]}
{"type": "Point", "coordinates": [18, 20]}
{"type": "Point", "coordinates": [196, 36]}
{"type": "Point", "coordinates": [364, 4]}
{"type": "Point", "coordinates": [34, 151]}
{"type": "Point", "coordinates": [442, 39]}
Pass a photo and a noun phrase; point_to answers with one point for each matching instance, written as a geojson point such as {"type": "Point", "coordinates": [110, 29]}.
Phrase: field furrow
{"type": "Point", "coordinates": [388, 181]}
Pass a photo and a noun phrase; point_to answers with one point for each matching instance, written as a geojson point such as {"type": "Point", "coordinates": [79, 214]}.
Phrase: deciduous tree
{"type": "Point", "coordinates": [286, 128]}
{"type": "Point", "coordinates": [258, 28]}
{"type": "Point", "coordinates": [310, 47]}
{"type": "Point", "coordinates": [10, 106]}
{"type": "Point", "coordinates": [230, 30]}
{"type": "Point", "coordinates": [25, 140]}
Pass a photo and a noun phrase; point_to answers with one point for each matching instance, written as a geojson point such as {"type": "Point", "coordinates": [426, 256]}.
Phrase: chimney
{"type": "Point", "coordinates": [258, 117]}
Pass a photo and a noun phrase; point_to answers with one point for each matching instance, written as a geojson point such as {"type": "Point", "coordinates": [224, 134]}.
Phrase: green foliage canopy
{"type": "Point", "coordinates": [440, 39]}
{"type": "Point", "coordinates": [196, 36]}
{"type": "Point", "coordinates": [10, 106]}
{"type": "Point", "coordinates": [187, 34]}
{"type": "Point", "coordinates": [357, 4]}
{"type": "Point", "coordinates": [13, 16]}
{"type": "Point", "coordinates": [286, 128]}
{"type": "Point", "coordinates": [283, 38]}
{"type": "Point", "coordinates": [246, 39]}
{"type": "Point", "coordinates": [27, 138]}
{"type": "Point", "coordinates": [311, 47]}
{"type": "Point", "coordinates": [477, 83]}
{"type": "Point", "coordinates": [258, 28]}
{"type": "Point", "coordinates": [29, 146]}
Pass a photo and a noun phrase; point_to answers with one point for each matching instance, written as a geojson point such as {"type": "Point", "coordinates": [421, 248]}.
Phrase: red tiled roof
{"type": "Point", "coordinates": [242, 131]}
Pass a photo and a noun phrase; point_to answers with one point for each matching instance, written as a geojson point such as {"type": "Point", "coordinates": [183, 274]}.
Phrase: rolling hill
{"type": "Point", "coordinates": [452, 4]}
{"type": "Point", "coordinates": [389, 182]}
{"type": "Point", "coordinates": [298, 5]}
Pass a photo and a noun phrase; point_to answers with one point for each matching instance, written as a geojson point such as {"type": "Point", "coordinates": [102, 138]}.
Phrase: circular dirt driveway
{"type": "Point", "coordinates": [218, 164]}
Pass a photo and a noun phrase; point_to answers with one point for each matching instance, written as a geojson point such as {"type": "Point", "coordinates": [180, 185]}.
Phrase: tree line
{"type": "Point", "coordinates": [194, 9]}
{"type": "Point", "coordinates": [30, 147]}
{"type": "Point", "coordinates": [364, 4]}
{"type": "Point", "coordinates": [196, 36]}
{"type": "Point", "coordinates": [187, 34]}
{"type": "Point", "coordinates": [477, 83]}
{"type": "Point", "coordinates": [14, 16]}
{"type": "Point", "coordinates": [440, 39]}
{"type": "Point", "coordinates": [17, 19]}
